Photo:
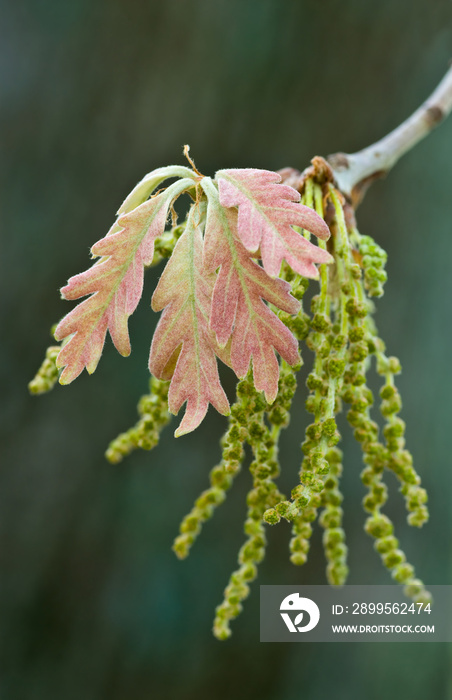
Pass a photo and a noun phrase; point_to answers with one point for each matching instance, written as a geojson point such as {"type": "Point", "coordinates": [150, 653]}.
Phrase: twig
{"type": "Point", "coordinates": [355, 172]}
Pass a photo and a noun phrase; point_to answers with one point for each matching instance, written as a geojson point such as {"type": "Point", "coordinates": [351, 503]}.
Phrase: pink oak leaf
{"type": "Point", "coordinates": [238, 307]}
{"type": "Point", "coordinates": [184, 292]}
{"type": "Point", "coordinates": [115, 284]}
{"type": "Point", "coordinates": [267, 212]}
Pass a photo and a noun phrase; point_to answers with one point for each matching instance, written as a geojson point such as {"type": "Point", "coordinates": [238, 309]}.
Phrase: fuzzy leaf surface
{"type": "Point", "coordinates": [184, 292]}
{"type": "Point", "coordinates": [115, 284]}
{"type": "Point", "coordinates": [267, 212]}
{"type": "Point", "coordinates": [238, 308]}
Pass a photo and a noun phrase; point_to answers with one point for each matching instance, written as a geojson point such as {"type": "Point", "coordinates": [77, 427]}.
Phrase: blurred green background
{"type": "Point", "coordinates": [94, 604]}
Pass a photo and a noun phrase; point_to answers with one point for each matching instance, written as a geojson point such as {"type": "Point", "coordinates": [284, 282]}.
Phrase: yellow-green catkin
{"type": "Point", "coordinates": [331, 521]}
{"type": "Point", "coordinates": [320, 468]}
{"type": "Point", "coordinates": [399, 460]}
{"type": "Point", "coordinates": [164, 244]}
{"type": "Point", "coordinates": [321, 435]}
{"type": "Point", "coordinates": [154, 416]}
{"type": "Point", "coordinates": [47, 375]}
{"type": "Point", "coordinates": [343, 337]}
{"type": "Point", "coordinates": [327, 341]}
{"type": "Point", "coordinates": [262, 434]}
{"type": "Point", "coordinates": [373, 261]}
{"type": "Point", "coordinates": [362, 343]}
{"type": "Point", "coordinates": [222, 475]}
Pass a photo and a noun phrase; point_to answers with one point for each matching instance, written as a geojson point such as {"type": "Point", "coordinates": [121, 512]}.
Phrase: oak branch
{"type": "Point", "coordinates": [354, 172]}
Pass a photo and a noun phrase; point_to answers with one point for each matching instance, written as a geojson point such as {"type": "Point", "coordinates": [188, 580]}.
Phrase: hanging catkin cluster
{"type": "Point", "coordinates": [232, 289]}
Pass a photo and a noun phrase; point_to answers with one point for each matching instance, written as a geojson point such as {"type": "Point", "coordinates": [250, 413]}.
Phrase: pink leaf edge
{"type": "Point", "coordinates": [115, 285]}
{"type": "Point", "coordinates": [267, 212]}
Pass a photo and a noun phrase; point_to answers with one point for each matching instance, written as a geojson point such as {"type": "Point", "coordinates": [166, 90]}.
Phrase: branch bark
{"type": "Point", "coordinates": [355, 172]}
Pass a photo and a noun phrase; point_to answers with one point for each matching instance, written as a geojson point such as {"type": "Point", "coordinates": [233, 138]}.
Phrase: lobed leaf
{"type": "Point", "coordinates": [238, 307]}
{"type": "Point", "coordinates": [115, 284]}
{"type": "Point", "coordinates": [267, 212]}
{"type": "Point", "coordinates": [205, 315]}
{"type": "Point", "coordinates": [183, 346]}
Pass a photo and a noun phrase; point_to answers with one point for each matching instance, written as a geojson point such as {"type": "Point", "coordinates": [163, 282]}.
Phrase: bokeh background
{"type": "Point", "coordinates": [93, 94]}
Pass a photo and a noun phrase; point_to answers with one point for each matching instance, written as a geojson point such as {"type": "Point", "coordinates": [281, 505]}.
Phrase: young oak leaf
{"type": "Point", "coordinates": [149, 182]}
{"type": "Point", "coordinates": [267, 212]}
{"type": "Point", "coordinates": [115, 284]}
{"type": "Point", "coordinates": [146, 187]}
{"type": "Point", "coordinates": [238, 306]}
{"type": "Point", "coordinates": [184, 292]}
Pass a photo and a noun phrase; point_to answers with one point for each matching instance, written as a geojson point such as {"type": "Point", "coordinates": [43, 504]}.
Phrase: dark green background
{"type": "Point", "coordinates": [95, 93]}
